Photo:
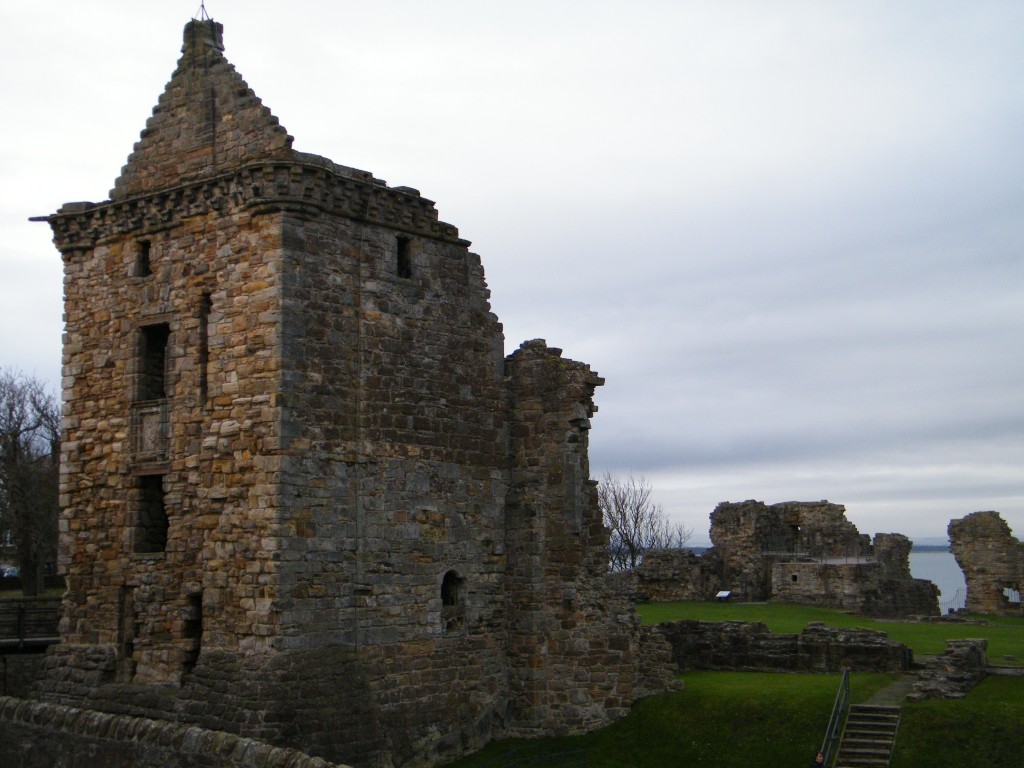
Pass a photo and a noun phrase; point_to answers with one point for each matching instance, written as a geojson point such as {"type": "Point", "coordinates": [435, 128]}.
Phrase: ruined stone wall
{"type": "Point", "coordinates": [749, 646]}
{"type": "Point", "coordinates": [992, 561]}
{"type": "Point", "coordinates": [677, 574]}
{"type": "Point", "coordinates": [573, 646]}
{"type": "Point", "coordinates": [750, 536]}
{"type": "Point", "coordinates": [954, 673]}
{"type": "Point", "coordinates": [864, 587]}
{"type": "Point", "coordinates": [397, 426]}
{"type": "Point", "coordinates": [892, 552]}
{"type": "Point", "coordinates": [797, 552]}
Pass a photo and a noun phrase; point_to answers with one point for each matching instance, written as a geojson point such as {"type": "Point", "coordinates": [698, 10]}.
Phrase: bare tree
{"type": "Point", "coordinates": [29, 473]}
{"type": "Point", "coordinates": [636, 524]}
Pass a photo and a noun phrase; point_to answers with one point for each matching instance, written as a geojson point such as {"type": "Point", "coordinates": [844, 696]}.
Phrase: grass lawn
{"type": "Point", "coordinates": [720, 720]}
{"type": "Point", "coordinates": [740, 719]}
{"type": "Point", "coordinates": [1005, 634]}
{"type": "Point", "coordinates": [985, 728]}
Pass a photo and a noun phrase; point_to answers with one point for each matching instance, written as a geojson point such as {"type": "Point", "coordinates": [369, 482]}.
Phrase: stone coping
{"type": "Point", "coordinates": [217, 748]}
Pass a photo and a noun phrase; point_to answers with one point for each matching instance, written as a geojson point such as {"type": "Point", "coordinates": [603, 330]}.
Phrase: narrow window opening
{"type": "Point", "coordinates": [128, 629]}
{"type": "Point", "coordinates": [192, 632]}
{"type": "Point", "coordinates": [205, 307]}
{"type": "Point", "coordinates": [151, 533]}
{"type": "Point", "coordinates": [153, 365]}
{"type": "Point", "coordinates": [403, 264]}
{"type": "Point", "coordinates": [451, 590]}
{"type": "Point", "coordinates": [453, 608]}
{"type": "Point", "coordinates": [793, 577]}
{"type": "Point", "coordinates": [143, 264]}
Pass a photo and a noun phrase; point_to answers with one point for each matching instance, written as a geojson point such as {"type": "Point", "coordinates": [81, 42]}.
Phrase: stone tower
{"type": "Point", "coordinates": [306, 497]}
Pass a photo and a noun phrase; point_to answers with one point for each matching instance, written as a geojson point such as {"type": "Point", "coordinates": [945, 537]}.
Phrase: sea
{"type": "Point", "coordinates": [941, 568]}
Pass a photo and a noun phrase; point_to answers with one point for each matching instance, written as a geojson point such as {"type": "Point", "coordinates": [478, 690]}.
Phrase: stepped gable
{"type": "Point", "coordinates": [207, 120]}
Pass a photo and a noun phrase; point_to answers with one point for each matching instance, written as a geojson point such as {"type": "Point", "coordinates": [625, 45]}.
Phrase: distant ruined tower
{"type": "Point", "coordinates": [992, 561]}
{"type": "Point", "coordinates": [305, 496]}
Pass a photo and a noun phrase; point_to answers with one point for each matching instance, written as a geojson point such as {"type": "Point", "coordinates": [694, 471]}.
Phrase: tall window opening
{"type": "Point", "coordinates": [193, 631]}
{"type": "Point", "coordinates": [153, 365]}
{"type": "Point", "coordinates": [451, 588]}
{"type": "Point", "coordinates": [403, 264]}
{"type": "Point", "coordinates": [143, 256]}
{"type": "Point", "coordinates": [453, 609]}
{"type": "Point", "coordinates": [151, 531]}
{"type": "Point", "coordinates": [205, 307]}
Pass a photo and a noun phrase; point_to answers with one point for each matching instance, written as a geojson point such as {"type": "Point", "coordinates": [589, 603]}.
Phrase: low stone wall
{"type": "Point", "coordinates": [953, 674]}
{"type": "Point", "coordinates": [39, 735]}
{"type": "Point", "coordinates": [674, 574]}
{"type": "Point", "coordinates": [749, 646]}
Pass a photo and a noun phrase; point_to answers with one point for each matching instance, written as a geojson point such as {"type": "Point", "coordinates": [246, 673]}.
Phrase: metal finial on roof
{"type": "Point", "coordinates": [201, 14]}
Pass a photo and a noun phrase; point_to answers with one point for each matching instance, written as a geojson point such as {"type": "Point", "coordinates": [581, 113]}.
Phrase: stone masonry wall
{"type": "Point", "coordinates": [805, 553]}
{"type": "Point", "coordinates": [749, 536]}
{"type": "Point", "coordinates": [738, 645]}
{"type": "Point", "coordinates": [206, 119]}
{"type": "Point", "coordinates": [573, 646]}
{"type": "Point", "coordinates": [674, 574]}
{"type": "Point", "coordinates": [39, 735]}
{"type": "Point", "coordinates": [992, 561]}
{"type": "Point", "coordinates": [954, 673]}
{"type": "Point", "coordinates": [865, 587]}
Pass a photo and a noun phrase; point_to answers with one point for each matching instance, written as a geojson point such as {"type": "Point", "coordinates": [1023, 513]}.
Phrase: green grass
{"type": "Point", "coordinates": [984, 728]}
{"type": "Point", "coordinates": [1005, 634]}
{"type": "Point", "coordinates": [719, 720]}
{"type": "Point", "coordinates": [726, 719]}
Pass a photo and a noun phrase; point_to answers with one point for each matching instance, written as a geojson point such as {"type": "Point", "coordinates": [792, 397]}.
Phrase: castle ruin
{"type": "Point", "coordinates": [992, 561]}
{"type": "Point", "coordinates": [306, 497]}
{"type": "Point", "coordinates": [805, 553]}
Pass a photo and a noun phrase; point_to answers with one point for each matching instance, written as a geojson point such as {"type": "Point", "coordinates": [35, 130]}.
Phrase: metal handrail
{"type": "Point", "coordinates": [835, 723]}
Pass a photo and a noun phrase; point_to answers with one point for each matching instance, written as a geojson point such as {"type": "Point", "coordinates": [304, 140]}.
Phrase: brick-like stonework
{"type": "Point", "coordinates": [992, 561]}
{"type": "Point", "coordinates": [307, 499]}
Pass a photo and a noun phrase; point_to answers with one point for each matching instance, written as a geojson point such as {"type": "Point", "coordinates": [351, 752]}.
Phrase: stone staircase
{"type": "Point", "coordinates": [868, 736]}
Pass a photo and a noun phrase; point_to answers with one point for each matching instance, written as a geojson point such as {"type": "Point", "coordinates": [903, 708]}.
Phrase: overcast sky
{"type": "Point", "coordinates": [788, 234]}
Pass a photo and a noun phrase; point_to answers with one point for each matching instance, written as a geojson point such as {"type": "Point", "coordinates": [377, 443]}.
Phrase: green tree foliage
{"type": "Point", "coordinates": [29, 473]}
